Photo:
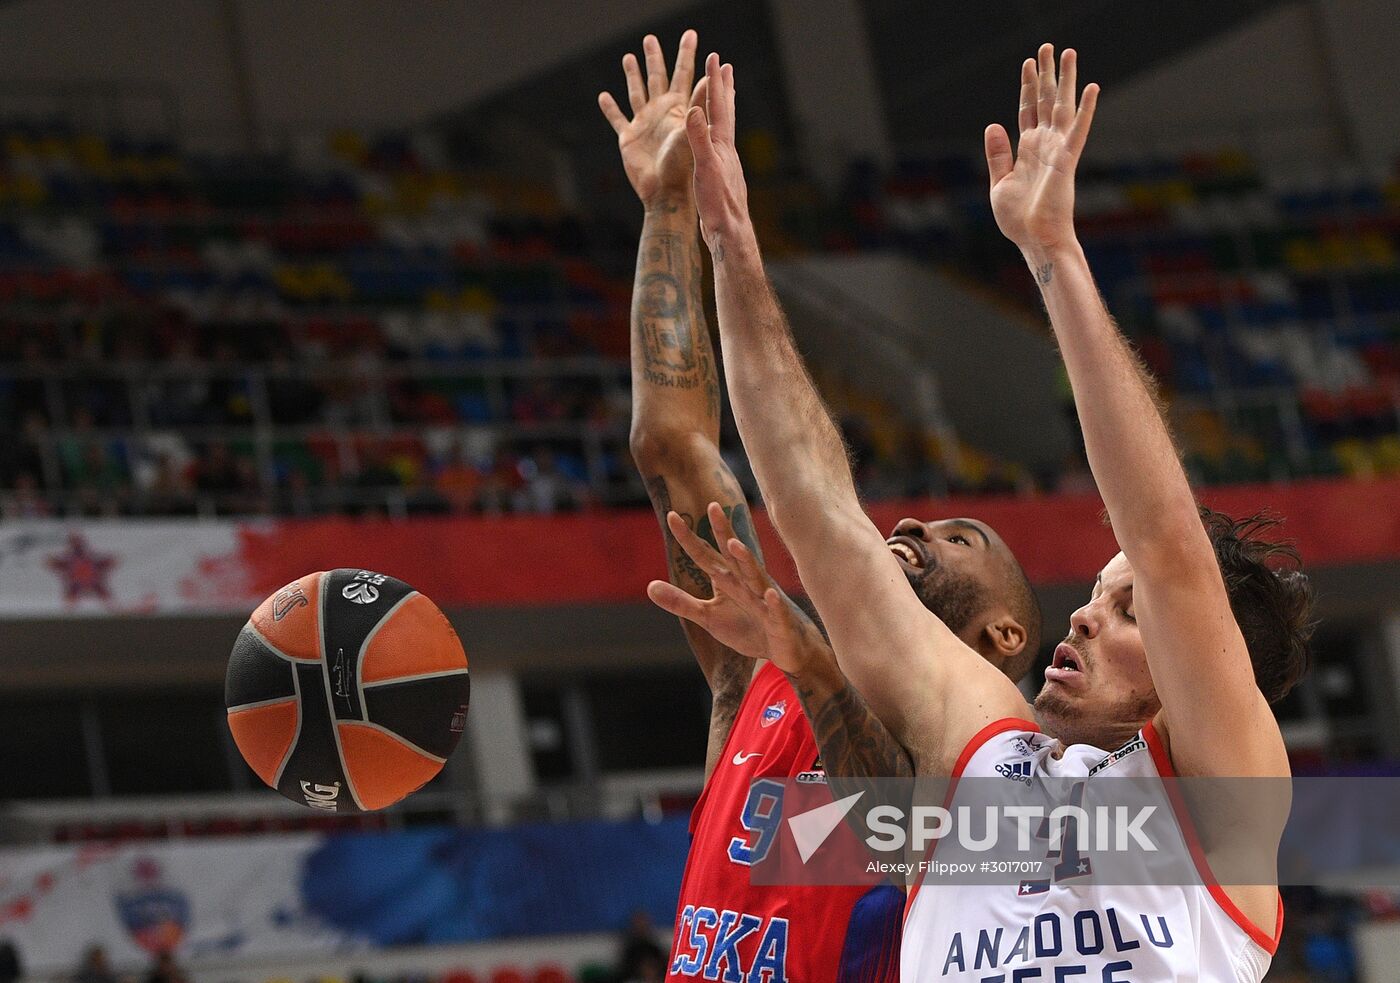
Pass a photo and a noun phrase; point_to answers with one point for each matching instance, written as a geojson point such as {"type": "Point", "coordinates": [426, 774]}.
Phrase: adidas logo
{"type": "Point", "coordinates": [1017, 771]}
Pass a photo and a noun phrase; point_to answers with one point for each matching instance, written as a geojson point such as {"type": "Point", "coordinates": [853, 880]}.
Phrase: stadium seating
{"type": "Point", "coordinates": [357, 328]}
{"type": "Point", "coordinates": [361, 327]}
{"type": "Point", "coordinates": [1270, 311]}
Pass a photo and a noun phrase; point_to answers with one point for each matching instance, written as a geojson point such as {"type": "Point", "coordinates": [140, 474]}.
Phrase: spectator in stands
{"type": "Point", "coordinates": [11, 968]}
{"type": "Point", "coordinates": [25, 501]}
{"type": "Point", "coordinates": [546, 488]}
{"type": "Point", "coordinates": [23, 453]}
{"type": "Point", "coordinates": [640, 957]}
{"type": "Point", "coordinates": [421, 498]}
{"type": "Point", "coordinates": [500, 484]}
{"type": "Point", "coordinates": [89, 461]}
{"type": "Point", "coordinates": [224, 478]}
{"type": "Point", "coordinates": [459, 483]}
{"type": "Point", "coordinates": [95, 968]}
{"type": "Point", "coordinates": [916, 473]}
{"type": "Point", "coordinates": [295, 497]}
{"type": "Point", "coordinates": [651, 968]}
{"type": "Point", "coordinates": [170, 492]}
{"type": "Point", "coordinates": [165, 970]}
{"type": "Point", "coordinates": [539, 402]}
{"type": "Point", "coordinates": [375, 471]}
{"type": "Point", "coordinates": [28, 390]}
{"type": "Point", "coordinates": [291, 398]}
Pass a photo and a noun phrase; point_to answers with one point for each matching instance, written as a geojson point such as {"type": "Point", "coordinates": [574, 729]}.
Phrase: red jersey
{"type": "Point", "coordinates": [732, 930]}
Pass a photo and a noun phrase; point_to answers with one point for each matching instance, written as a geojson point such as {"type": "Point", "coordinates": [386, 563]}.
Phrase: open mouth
{"type": "Point", "coordinates": [1066, 667]}
{"type": "Point", "coordinates": [909, 550]}
{"type": "Point", "coordinates": [1066, 658]}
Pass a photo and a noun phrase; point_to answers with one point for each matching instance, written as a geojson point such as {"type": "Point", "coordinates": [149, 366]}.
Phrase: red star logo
{"type": "Point", "coordinates": [83, 571]}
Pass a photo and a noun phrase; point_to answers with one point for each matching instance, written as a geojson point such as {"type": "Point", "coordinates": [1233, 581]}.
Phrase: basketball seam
{"type": "Point", "coordinates": [364, 647]}
{"type": "Point", "coordinates": [296, 734]}
{"type": "Point", "coordinates": [398, 737]}
{"type": "Point", "coordinates": [330, 703]}
{"type": "Point", "coordinates": [272, 648]}
{"type": "Point", "coordinates": [410, 679]}
{"type": "Point", "coordinates": [262, 703]}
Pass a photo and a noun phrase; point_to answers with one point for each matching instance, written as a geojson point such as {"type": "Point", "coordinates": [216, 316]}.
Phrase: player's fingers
{"type": "Point", "coordinates": [719, 522]}
{"type": "Point", "coordinates": [715, 105]}
{"type": "Point", "coordinates": [777, 622]}
{"type": "Point", "coordinates": [612, 111]}
{"type": "Point", "coordinates": [1025, 112]}
{"type": "Point", "coordinates": [727, 75]}
{"type": "Point", "coordinates": [727, 584]}
{"type": "Point", "coordinates": [696, 548]}
{"type": "Point", "coordinates": [1079, 130]}
{"type": "Point", "coordinates": [1045, 102]}
{"type": "Point", "coordinates": [1064, 98]}
{"type": "Point", "coordinates": [670, 598]}
{"type": "Point", "coordinates": [656, 66]}
{"type": "Point", "coordinates": [697, 131]}
{"type": "Point", "coordinates": [685, 62]}
{"type": "Point", "coordinates": [746, 566]}
{"type": "Point", "coordinates": [700, 94]}
{"type": "Point", "coordinates": [999, 158]}
{"type": "Point", "coordinates": [636, 89]}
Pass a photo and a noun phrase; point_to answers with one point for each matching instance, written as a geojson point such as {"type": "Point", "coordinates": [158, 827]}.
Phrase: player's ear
{"type": "Point", "coordinates": [1005, 636]}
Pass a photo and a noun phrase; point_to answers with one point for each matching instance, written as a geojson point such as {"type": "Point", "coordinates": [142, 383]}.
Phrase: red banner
{"type": "Point", "coordinates": [610, 557]}
{"type": "Point", "coordinates": [112, 566]}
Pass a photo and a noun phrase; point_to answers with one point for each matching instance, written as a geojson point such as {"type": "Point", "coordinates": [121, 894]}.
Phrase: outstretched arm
{"type": "Point", "coordinates": [675, 383]}
{"type": "Point", "coordinates": [1200, 666]}
{"type": "Point", "coordinates": [892, 649]}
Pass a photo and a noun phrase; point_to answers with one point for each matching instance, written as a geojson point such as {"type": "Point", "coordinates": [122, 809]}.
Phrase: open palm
{"type": "Point", "coordinates": [655, 152]}
{"type": "Point", "coordinates": [1033, 193]}
{"type": "Point", "coordinates": [749, 613]}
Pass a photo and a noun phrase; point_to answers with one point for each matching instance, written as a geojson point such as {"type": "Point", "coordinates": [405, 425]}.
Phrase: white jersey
{"type": "Point", "coordinates": [1072, 931]}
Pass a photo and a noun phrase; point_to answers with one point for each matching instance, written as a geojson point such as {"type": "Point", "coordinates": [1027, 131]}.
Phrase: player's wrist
{"type": "Point", "coordinates": [734, 244]}
{"type": "Point", "coordinates": [815, 665]}
{"type": "Point", "coordinates": [1043, 258]}
{"type": "Point", "coordinates": [670, 200]}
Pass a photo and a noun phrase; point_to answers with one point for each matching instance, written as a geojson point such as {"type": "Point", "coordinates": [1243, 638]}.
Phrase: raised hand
{"type": "Point", "coordinates": [1033, 194]}
{"type": "Point", "coordinates": [655, 153]}
{"type": "Point", "coordinates": [748, 612]}
{"type": "Point", "coordinates": [721, 195]}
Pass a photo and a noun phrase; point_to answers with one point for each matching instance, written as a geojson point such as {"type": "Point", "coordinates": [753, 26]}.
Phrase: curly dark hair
{"type": "Point", "coordinates": [1271, 597]}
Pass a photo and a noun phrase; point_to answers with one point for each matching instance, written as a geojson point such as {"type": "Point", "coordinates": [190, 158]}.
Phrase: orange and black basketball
{"type": "Point", "coordinates": [347, 690]}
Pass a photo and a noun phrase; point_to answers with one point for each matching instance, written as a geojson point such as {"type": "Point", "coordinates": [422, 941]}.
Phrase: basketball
{"type": "Point", "coordinates": [347, 690]}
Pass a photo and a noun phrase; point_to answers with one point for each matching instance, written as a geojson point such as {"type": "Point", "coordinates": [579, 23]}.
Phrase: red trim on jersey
{"type": "Point", "coordinates": [972, 747]}
{"type": "Point", "coordinates": [1198, 854]}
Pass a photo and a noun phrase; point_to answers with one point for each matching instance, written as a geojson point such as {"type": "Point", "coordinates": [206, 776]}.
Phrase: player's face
{"type": "Point", "coordinates": [954, 565]}
{"type": "Point", "coordinates": [1098, 689]}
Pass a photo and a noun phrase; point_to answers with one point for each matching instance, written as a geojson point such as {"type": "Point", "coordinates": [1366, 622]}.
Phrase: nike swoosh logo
{"type": "Point", "coordinates": [740, 757]}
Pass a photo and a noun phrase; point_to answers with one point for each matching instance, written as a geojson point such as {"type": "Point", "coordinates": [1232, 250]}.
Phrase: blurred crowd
{"type": "Point", "coordinates": [367, 326]}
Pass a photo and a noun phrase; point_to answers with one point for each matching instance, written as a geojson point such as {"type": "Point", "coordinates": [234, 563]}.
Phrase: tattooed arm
{"type": "Point", "coordinates": [852, 741]}
{"type": "Point", "coordinates": [751, 612]}
{"type": "Point", "coordinates": [675, 382]}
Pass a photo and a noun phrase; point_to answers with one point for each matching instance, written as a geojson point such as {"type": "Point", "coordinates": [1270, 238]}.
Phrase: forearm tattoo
{"type": "Point", "coordinates": [685, 572]}
{"type": "Point", "coordinates": [853, 743]}
{"type": "Point", "coordinates": [669, 318]}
